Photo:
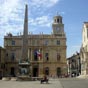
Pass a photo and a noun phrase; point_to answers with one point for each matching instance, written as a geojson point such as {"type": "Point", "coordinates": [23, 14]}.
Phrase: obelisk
{"type": "Point", "coordinates": [25, 37]}
{"type": "Point", "coordinates": [24, 64]}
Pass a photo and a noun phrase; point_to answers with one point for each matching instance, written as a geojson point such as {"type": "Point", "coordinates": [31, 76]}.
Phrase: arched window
{"type": "Point", "coordinates": [57, 20]}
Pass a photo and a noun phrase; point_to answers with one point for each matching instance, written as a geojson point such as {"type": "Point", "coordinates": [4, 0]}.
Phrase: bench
{"type": "Point", "coordinates": [42, 80]}
{"type": "Point", "coordinates": [36, 78]}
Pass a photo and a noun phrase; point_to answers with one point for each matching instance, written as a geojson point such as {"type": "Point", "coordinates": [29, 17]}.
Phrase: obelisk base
{"type": "Point", "coordinates": [24, 72]}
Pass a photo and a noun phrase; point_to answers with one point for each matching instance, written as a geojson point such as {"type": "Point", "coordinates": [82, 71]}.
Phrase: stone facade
{"type": "Point", "coordinates": [74, 65]}
{"type": "Point", "coordinates": [84, 50]}
{"type": "Point", "coordinates": [46, 52]}
{"type": "Point", "coordinates": [2, 61]}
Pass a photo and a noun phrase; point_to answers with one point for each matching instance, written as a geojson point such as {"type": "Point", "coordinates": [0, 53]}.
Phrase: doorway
{"type": "Point", "coordinates": [35, 72]}
{"type": "Point", "coordinates": [0, 74]}
{"type": "Point", "coordinates": [12, 71]}
{"type": "Point", "coordinates": [58, 71]}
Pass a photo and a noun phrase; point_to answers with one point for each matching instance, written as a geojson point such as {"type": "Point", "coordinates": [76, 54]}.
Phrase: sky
{"type": "Point", "coordinates": [40, 16]}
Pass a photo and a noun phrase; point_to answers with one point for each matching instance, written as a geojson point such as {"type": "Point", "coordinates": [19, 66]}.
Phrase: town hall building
{"type": "Point", "coordinates": [46, 52]}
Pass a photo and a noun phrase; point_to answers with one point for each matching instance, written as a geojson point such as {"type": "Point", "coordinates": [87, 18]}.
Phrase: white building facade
{"type": "Point", "coordinates": [84, 50]}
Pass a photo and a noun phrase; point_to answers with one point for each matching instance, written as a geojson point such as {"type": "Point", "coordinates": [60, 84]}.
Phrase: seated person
{"type": "Point", "coordinates": [45, 79]}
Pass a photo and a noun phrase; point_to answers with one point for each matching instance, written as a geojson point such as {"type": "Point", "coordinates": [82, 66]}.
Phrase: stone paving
{"type": "Point", "coordinates": [53, 83]}
{"type": "Point", "coordinates": [74, 83]}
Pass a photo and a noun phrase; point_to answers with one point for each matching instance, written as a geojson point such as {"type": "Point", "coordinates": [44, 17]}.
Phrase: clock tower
{"type": "Point", "coordinates": [58, 26]}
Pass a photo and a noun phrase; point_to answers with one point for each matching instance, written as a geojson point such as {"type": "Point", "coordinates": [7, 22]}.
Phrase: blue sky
{"type": "Point", "coordinates": [41, 12]}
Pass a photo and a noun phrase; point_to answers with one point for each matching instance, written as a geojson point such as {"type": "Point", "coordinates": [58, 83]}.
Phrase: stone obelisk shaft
{"type": "Point", "coordinates": [25, 36]}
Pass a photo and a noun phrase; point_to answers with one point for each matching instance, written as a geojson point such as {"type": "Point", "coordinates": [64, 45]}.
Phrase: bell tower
{"type": "Point", "coordinates": [58, 26]}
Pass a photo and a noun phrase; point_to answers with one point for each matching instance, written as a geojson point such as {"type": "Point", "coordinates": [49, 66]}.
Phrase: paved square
{"type": "Point", "coordinates": [74, 83]}
{"type": "Point", "coordinates": [53, 83]}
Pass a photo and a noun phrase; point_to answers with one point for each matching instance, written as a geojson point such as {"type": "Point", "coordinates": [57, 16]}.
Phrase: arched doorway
{"type": "Point", "coordinates": [12, 72]}
{"type": "Point", "coordinates": [35, 71]}
{"type": "Point", "coordinates": [58, 71]}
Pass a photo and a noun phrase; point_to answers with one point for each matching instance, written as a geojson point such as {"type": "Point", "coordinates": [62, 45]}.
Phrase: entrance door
{"type": "Point", "coordinates": [58, 71]}
{"type": "Point", "coordinates": [12, 71]}
{"type": "Point", "coordinates": [0, 74]}
{"type": "Point", "coordinates": [35, 72]}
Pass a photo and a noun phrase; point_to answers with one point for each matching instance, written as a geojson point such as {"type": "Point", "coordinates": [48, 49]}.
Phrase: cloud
{"type": "Point", "coordinates": [12, 14]}
{"type": "Point", "coordinates": [43, 3]}
{"type": "Point", "coordinates": [7, 8]}
{"type": "Point", "coordinates": [9, 17]}
{"type": "Point", "coordinates": [44, 21]}
{"type": "Point", "coordinates": [12, 11]}
{"type": "Point", "coordinates": [40, 6]}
